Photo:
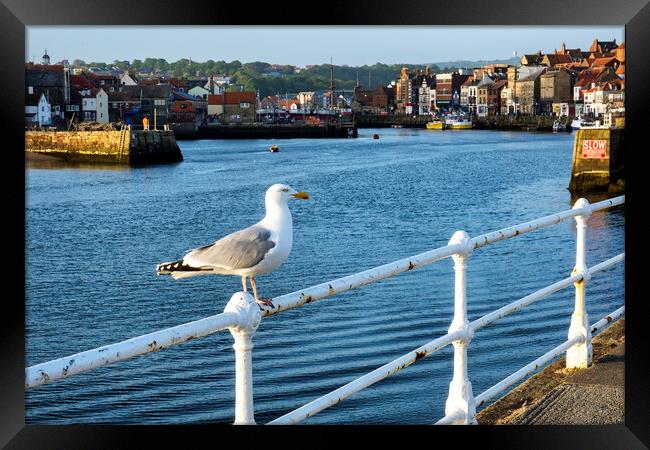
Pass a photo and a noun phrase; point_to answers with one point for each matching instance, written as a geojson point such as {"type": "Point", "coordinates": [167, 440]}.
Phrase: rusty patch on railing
{"type": "Point", "coordinates": [44, 376]}
{"type": "Point", "coordinates": [411, 266]}
{"type": "Point", "coordinates": [420, 355]}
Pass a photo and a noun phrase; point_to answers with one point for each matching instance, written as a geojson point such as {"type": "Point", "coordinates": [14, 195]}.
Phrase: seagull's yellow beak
{"type": "Point", "coordinates": [301, 195]}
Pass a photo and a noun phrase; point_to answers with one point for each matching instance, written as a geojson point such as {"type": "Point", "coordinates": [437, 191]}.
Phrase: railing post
{"type": "Point", "coordinates": [249, 316]}
{"type": "Point", "coordinates": [461, 397]}
{"type": "Point", "coordinates": [579, 355]}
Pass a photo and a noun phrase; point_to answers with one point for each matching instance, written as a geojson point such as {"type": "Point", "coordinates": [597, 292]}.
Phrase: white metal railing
{"type": "Point", "coordinates": [242, 316]}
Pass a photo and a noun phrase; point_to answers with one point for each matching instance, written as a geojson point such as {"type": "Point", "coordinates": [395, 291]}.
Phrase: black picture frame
{"type": "Point", "coordinates": [15, 15]}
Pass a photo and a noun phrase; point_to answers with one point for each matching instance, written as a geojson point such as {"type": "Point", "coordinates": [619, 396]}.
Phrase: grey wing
{"type": "Point", "coordinates": [239, 250]}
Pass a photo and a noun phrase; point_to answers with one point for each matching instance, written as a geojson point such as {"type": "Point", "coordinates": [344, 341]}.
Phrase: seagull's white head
{"type": "Point", "coordinates": [282, 193]}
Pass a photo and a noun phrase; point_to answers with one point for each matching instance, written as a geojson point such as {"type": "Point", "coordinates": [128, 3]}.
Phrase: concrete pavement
{"type": "Point", "coordinates": [557, 396]}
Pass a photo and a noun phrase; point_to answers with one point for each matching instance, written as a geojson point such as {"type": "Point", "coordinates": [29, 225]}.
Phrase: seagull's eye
{"type": "Point", "coordinates": [285, 190]}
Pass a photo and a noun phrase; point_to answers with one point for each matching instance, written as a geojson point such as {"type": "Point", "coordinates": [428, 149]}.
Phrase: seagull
{"type": "Point", "coordinates": [258, 249]}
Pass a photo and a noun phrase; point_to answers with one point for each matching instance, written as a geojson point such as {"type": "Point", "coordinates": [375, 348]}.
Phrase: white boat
{"type": "Point", "coordinates": [575, 124]}
{"type": "Point", "coordinates": [587, 124]}
{"type": "Point", "coordinates": [455, 122]}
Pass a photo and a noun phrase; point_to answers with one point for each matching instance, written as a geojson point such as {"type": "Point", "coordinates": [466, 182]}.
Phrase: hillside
{"type": "Point", "coordinates": [271, 79]}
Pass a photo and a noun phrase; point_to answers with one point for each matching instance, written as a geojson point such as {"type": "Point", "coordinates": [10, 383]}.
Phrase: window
{"type": "Point", "coordinates": [246, 105]}
{"type": "Point", "coordinates": [100, 104]}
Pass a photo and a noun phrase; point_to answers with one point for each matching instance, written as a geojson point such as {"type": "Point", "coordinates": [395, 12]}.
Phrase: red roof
{"type": "Point", "coordinates": [237, 97]}
{"type": "Point", "coordinates": [215, 99]}
{"type": "Point", "coordinates": [81, 81]}
{"type": "Point", "coordinates": [45, 67]}
{"type": "Point", "coordinates": [182, 106]}
{"type": "Point", "coordinates": [232, 98]}
{"type": "Point", "coordinates": [148, 82]}
{"type": "Point", "coordinates": [498, 85]}
{"type": "Point", "coordinates": [599, 62]}
{"type": "Point", "coordinates": [468, 81]}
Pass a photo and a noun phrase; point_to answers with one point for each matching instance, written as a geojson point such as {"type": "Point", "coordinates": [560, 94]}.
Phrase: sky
{"type": "Point", "coordinates": [300, 46]}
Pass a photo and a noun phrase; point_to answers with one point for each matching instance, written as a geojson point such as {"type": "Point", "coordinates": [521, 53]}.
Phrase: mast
{"type": "Point", "coordinates": [331, 84]}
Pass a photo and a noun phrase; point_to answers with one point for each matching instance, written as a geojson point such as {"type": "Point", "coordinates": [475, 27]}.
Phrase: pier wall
{"type": "Point", "coordinates": [598, 161]}
{"type": "Point", "coordinates": [501, 122]}
{"type": "Point", "coordinates": [118, 146]}
{"type": "Point", "coordinates": [523, 123]}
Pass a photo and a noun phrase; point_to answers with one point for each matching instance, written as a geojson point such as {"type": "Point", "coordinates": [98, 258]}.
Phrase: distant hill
{"type": "Point", "coordinates": [477, 63]}
{"type": "Point", "coordinates": [271, 79]}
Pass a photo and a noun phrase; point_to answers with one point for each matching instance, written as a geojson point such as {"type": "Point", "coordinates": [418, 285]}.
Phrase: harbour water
{"type": "Point", "coordinates": [94, 235]}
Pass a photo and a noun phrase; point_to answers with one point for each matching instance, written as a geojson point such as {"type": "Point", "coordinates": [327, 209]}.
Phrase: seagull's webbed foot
{"type": "Point", "coordinates": [260, 301]}
{"type": "Point", "coordinates": [265, 302]}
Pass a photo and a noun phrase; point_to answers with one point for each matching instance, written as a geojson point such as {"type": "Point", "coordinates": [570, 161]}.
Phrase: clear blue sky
{"type": "Point", "coordinates": [347, 45]}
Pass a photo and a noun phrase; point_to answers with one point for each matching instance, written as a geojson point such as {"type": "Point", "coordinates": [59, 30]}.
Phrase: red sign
{"type": "Point", "coordinates": [594, 149]}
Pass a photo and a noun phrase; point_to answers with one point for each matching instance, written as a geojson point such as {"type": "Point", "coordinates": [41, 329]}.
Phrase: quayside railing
{"type": "Point", "coordinates": [242, 316]}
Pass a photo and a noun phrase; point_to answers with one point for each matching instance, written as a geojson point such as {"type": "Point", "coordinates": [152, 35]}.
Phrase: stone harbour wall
{"type": "Point", "coordinates": [598, 161]}
{"type": "Point", "coordinates": [119, 147]}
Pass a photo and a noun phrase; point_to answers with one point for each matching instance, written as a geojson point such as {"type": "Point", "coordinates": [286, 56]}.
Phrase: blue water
{"type": "Point", "coordinates": [95, 234]}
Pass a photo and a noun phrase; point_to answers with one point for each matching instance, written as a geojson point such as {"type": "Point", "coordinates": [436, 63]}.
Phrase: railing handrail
{"type": "Point", "coordinates": [439, 343]}
{"type": "Point", "coordinates": [242, 320]}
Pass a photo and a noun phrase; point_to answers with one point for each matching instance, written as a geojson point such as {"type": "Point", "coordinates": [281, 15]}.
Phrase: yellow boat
{"type": "Point", "coordinates": [274, 148]}
{"type": "Point", "coordinates": [458, 123]}
{"type": "Point", "coordinates": [435, 124]}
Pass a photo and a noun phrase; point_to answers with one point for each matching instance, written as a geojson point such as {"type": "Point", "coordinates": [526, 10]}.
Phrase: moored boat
{"type": "Point", "coordinates": [589, 123]}
{"type": "Point", "coordinates": [435, 124]}
{"type": "Point", "coordinates": [557, 126]}
{"type": "Point", "coordinates": [274, 148]}
{"type": "Point", "coordinates": [458, 122]}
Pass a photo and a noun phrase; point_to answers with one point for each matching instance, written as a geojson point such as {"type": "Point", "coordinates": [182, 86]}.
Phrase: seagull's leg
{"type": "Point", "coordinates": [243, 283]}
{"type": "Point", "coordinates": [261, 301]}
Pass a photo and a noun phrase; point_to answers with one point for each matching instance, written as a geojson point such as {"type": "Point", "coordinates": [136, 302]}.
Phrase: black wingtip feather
{"type": "Point", "coordinates": [175, 266]}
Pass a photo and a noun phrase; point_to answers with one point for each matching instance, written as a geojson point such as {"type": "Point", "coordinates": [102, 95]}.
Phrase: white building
{"type": "Point", "coordinates": [424, 98]}
{"type": "Point", "coordinates": [596, 101]}
{"type": "Point", "coordinates": [215, 85]}
{"type": "Point", "coordinates": [38, 110]}
{"type": "Point", "coordinates": [127, 80]}
{"type": "Point", "coordinates": [472, 94]}
{"type": "Point", "coordinates": [94, 105]}
{"type": "Point", "coordinates": [200, 92]}
{"type": "Point", "coordinates": [508, 104]}
{"type": "Point", "coordinates": [101, 102]}
{"type": "Point", "coordinates": [88, 105]}
{"type": "Point", "coordinates": [306, 99]}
